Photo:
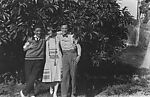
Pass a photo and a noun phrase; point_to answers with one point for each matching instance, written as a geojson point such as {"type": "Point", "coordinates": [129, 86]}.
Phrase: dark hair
{"type": "Point", "coordinates": [68, 26]}
{"type": "Point", "coordinates": [41, 27]}
{"type": "Point", "coordinates": [64, 24]}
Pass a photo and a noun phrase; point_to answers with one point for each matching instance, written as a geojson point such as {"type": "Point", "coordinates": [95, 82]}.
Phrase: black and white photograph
{"type": "Point", "coordinates": [74, 48]}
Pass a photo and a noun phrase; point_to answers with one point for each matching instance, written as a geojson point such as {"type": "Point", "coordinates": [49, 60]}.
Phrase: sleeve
{"type": "Point", "coordinates": [59, 33]}
{"type": "Point", "coordinates": [75, 41]}
{"type": "Point", "coordinates": [26, 44]}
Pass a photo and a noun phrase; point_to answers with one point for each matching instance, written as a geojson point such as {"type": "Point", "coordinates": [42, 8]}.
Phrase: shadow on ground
{"type": "Point", "coordinates": [93, 80]}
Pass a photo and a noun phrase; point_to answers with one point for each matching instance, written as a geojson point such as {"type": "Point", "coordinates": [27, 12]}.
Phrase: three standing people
{"type": "Point", "coordinates": [62, 49]}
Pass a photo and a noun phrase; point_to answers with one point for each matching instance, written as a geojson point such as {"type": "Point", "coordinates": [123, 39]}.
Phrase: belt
{"type": "Point", "coordinates": [69, 51]}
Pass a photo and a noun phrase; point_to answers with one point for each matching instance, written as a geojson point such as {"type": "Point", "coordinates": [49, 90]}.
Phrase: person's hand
{"type": "Point", "coordinates": [28, 46]}
{"type": "Point", "coordinates": [77, 59]}
{"type": "Point", "coordinates": [31, 46]}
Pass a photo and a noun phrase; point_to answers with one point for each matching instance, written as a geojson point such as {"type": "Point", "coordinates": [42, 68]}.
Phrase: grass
{"type": "Point", "coordinates": [100, 87]}
{"type": "Point", "coordinates": [108, 80]}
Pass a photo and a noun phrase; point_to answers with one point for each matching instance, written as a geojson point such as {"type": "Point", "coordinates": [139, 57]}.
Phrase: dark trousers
{"type": "Point", "coordinates": [69, 73]}
{"type": "Point", "coordinates": [33, 69]}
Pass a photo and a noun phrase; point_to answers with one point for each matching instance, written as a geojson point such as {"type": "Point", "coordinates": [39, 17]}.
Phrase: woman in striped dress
{"type": "Point", "coordinates": [53, 64]}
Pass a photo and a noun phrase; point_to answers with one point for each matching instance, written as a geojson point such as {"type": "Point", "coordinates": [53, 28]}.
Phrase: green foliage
{"type": "Point", "coordinates": [144, 9]}
{"type": "Point", "coordinates": [100, 25]}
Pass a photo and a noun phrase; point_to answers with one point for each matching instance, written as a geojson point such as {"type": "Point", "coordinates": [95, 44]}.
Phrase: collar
{"type": "Point", "coordinates": [36, 37]}
{"type": "Point", "coordinates": [65, 35]}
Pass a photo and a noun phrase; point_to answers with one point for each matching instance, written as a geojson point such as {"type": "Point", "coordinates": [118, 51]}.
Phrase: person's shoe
{"type": "Point", "coordinates": [54, 95]}
{"type": "Point", "coordinates": [22, 95]}
{"type": "Point", "coordinates": [51, 90]}
{"type": "Point", "coordinates": [73, 96]}
{"type": "Point", "coordinates": [32, 96]}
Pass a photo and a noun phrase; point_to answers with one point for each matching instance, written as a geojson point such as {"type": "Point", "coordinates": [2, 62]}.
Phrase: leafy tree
{"type": "Point", "coordinates": [100, 25]}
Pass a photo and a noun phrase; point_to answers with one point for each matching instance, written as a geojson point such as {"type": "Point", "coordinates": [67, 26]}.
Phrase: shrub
{"type": "Point", "coordinates": [100, 25]}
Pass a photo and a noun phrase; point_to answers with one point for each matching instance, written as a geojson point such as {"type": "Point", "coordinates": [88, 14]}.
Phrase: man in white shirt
{"type": "Point", "coordinates": [71, 55]}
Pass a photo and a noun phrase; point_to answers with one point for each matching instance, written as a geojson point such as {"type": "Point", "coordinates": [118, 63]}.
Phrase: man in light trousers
{"type": "Point", "coordinates": [71, 55]}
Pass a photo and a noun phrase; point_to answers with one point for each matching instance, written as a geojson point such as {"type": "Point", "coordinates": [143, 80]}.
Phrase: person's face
{"type": "Point", "coordinates": [49, 29]}
{"type": "Point", "coordinates": [64, 29]}
{"type": "Point", "coordinates": [37, 31]}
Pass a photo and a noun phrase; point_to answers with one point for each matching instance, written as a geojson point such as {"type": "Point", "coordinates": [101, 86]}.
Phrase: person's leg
{"type": "Point", "coordinates": [55, 89]}
{"type": "Point", "coordinates": [40, 74]}
{"type": "Point", "coordinates": [34, 74]}
{"type": "Point", "coordinates": [66, 77]}
{"type": "Point", "coordinates": [73, 67]}
{"type": "Point", "coordinates": [37, 82]}
{"type": "Point", "coordinates": [28, 68]}
{"type": "Point", "coordinates": [51, 90]}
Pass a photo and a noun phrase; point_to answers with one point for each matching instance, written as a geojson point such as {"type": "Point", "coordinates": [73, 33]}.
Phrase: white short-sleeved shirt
{"type": "Point", "coordinates": [67, 42]}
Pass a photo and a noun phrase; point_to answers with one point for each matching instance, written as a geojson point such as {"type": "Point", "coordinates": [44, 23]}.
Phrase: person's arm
{"type": "Point", "coordinates": [47, 38]}
{"type": "Point", "coordinates": [60, 49]}
{"type": "Point", "coordinates": [25, 47]}
{"type": "Point", "coordinates": [59, 45]}
{"type": "Point", "coordinates": [78, 46]}
{"type": "Point", "coordinates": [27, 44]}
{"type": "Point", "coordinates": [78, 53]}
{"type": "Point", "coordinates": [78, 50]}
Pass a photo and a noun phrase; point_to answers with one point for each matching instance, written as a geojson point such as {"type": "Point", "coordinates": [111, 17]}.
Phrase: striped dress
{"type": "Point", "coordinates": [53, 64]}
